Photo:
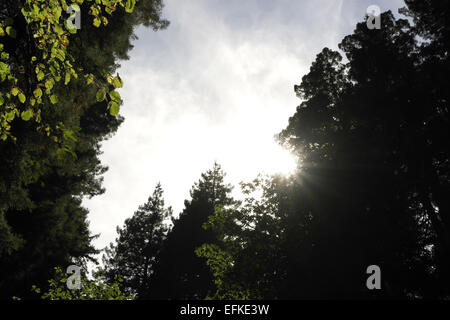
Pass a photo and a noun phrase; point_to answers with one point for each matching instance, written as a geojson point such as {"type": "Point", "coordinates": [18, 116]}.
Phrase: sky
{"type": "Point", "coordinates": [216, 85]}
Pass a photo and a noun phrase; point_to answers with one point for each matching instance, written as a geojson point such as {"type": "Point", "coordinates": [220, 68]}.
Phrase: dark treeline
{"type": "Point", "coordinates": [372, 187]}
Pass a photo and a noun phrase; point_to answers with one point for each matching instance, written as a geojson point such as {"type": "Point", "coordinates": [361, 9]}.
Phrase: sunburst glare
{"type": "Point", "coordinates": [278, 161]}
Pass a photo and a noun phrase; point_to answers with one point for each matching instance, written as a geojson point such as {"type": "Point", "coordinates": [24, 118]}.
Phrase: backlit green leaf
{"type": "Point", "coordinates": [129, 7]}
{"type": "Point", "coordinates": [37, 93]}
{"type": "Point", "coordinates": [22, 97]}
{"type": "Point", "coordinates": [100, 95]}
{"type": "Point", "coordinates": [11, 31]}
{"type": "Point", "coordinates": [26, 115]}
{"type": "Point", "coordinates": [40, 75]}
{"type": "Point", "coordinates": [113, 108]}
{"type": "Point", "coordinates": [53, 99]}
{"type": "Point", "coordinates": [115, 96]}
{"type": "Point", "coordinates": [96, 22]}
{"type": "Point", "coordinates": [67, 78]}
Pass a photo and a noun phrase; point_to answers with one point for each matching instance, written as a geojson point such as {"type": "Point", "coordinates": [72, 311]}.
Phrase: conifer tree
{"type": "Point", "coordinates": [137, 248]}
{"type": "Point", "coordinates": [179, 273]}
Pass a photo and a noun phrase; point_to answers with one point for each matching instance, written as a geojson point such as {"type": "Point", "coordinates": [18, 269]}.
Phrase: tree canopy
{"type": "Point", "coordinates": [137, 249]}
{"type": "Point", "coordinates": [52, 125]}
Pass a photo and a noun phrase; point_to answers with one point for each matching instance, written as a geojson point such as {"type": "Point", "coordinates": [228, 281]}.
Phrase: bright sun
{"type": "Point", "coordinates": [278, 160]}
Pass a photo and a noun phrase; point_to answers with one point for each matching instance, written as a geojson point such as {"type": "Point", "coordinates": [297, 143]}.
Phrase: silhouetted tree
{"type": "Point", "coordinates": [179, 273]}
{"type": "Point", "coordinates": [248, 257]}
{"type": "Point", "coordinates": [140, 240]}
{"type": "Point", "coordinates": [433, 127]}
{"type": "Point", "coordinates": [350, 133]}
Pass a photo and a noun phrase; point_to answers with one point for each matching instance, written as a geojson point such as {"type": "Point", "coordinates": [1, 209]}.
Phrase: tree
{"type": "Point", "coordinates": [430, 23]}
{"type": "Point", "coordinates": [248, 257]}
{"type": "Point", "coordinates": [134, 255]}
{"type": "Point", "coordinates": [349, 131]}
{"type": "Point", "coordinates": [43, 59]}
{"type": "Point", "coordinates": [179, 273]}
{"type": "Point", "coordinates": [369, 138]}
{"type": "Point", "coordinates": [96, 289]}
{"type": "Point", "coordinates": [41, 218]}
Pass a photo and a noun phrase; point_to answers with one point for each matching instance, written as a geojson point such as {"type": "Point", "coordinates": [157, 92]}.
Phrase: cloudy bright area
{"type": "Point", "coordinates": [217, 85]}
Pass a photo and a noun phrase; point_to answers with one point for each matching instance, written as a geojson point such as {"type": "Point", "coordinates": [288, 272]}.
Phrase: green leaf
{"type": "Point", "coordinates": [66, 150]}
{"type": "Point", "coordinates": [96, 22]}
{"type": "Point", "coordinates": [113, 108]}
{"type": "Point", "coordinates": [115, 96]}
{"type": "Point", "coordinates": [117, 82]}
{"type": "Point", "coordinates": [54, 99]}
{"type": "Point", "coordinates": [70, 135]}
{"type": "Point", "coordinates": [129, 7]}
{"type": "Point", "coordinates": [11, 31]}
{"type": "Point", "coordinates": [22, 97]}
{"type": "Point", "coordinates": [100, 95]}
{"type": "Point", "coordinates": [10, 116]}
{"type": "Point", "coordinates": [37, 93]}
{"type": "Point", "coordinates": [49, 84]}
{"type": "Point", "coordinates": [27, 115]}
{"type": "Point", "coordinates": [70, 26]}
{"type": "Point", "coordinates": [15, 91]}
{"type": "Point", "coordinates": [67, 78]}
{"type": "Point", "coordinates": [89, 78]}
{"type": "Point", "coordinates": [40, 75]}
